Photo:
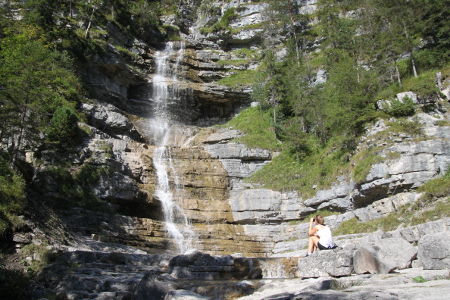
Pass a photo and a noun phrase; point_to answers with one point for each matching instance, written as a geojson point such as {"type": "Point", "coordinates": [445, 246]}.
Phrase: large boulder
{"type": "Point", "coordinates": [333, 263]}
{"type": "Point", "coordinates": [383, 256]}
{"type": "Point", "coordinates": [154, 286]}
{"type": "Point", "coordinates": [434, 251]}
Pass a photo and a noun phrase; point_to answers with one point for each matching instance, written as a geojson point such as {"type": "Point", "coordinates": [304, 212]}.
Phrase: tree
{"type": "Point", "coordinates": [35, 82]}
{"type": "Point", "coordinates": [63, 128]}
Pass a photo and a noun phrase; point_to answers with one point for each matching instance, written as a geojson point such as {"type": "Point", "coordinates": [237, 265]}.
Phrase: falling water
{"type": "Point", "coordinates": [165, 91]}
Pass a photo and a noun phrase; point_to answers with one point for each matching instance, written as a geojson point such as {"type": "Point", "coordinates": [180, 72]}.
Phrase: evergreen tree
{"type": "Point", "coordinates": [35, 82]}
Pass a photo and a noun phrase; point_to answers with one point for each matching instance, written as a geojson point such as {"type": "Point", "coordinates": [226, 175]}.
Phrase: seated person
{"type": "Point", "coordinates": [319, 235]}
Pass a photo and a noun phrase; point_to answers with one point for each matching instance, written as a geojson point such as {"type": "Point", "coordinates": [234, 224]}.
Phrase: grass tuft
{"type": "Point", "coordinates": [242, 78]}
{"type": "Point", "coordinates": [412, 128]}
{"type": "Point", "coordinates": [419, 279]}
{"type": "Point", "coordinates": [364, 162]}
{"type": "Point", "coordinates": [316, 171]}
{"type": "Point", "coordinates": [256, 124]}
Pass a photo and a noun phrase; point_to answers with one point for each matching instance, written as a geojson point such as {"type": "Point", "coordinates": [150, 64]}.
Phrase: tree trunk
{"type": "Point", "coordinates": [16, 147]}
{"type": "Point", "coordinates": [397, 73]}
{"type": "Point", "coordinates": [291, 15]}
{"type": "Point", "coordinates": [274, 117]}
{"type": "Point", "coordinates": [413, 62]}
{"type": "Point", "coordinates": [86, 33]}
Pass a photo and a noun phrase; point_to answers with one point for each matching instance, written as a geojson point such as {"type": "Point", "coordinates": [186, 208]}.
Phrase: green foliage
{"type": "Point", "coordinates": [37, 81]}
{"type": "Point", "coordinates": [439, 187]}
{"type": "Point", "coordinates": [419, 279]}
{"type": "Point", "coordinates": [412, 128]}
{"type": "Point", "coordinates": [12, 194]}
{"type": "Point", "coordinates": [442, 123]}
{"type": "Point", "coordinates": [126, 52]}
{"type": "Point", "coordinates": [4, 225]}
{"type": "Point", "coordinates": [63, 127]}
{"type": "Point", "coordinates": [223, 23]}
{"type": "Point", "coordinates": [316, 171]}
{"type": "Point", "coordinates": [353, 226]}
{"type": "Point", "coordinates": [14, 284]}
{"type": "Point", "coordinates": [40, 254]}
{"type": "Point", "coordinates": [423, 210]}
{"type": "Point", "coordinates": [409, 215]}
{"type": "Point", "coordinates": [399, 108]}
{"type": "Point", "coordinates": [246, 53]}
{"type": "Point", "coordinates": [248, 27]}
{"type": "Point", "coordinates": [257, 127]}
{"type": "Point", "coordinates": [424, 86]}
{"type": "Point", "coordinates": [74, 188]}
{"type": "Point", "coordinates": [233, 62]}
{"type": "Point", "coordinates": [239, 79]}
{"type": "Point", "coordinates": [364, 161]}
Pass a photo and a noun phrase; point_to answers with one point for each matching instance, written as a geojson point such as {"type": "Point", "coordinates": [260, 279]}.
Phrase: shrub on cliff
{"type": "Point", "coordinates": [401, 108]}
{"type": "Point", "coordinates": [63, 128]}
{"type": "Point", "coordinates": [12, 193]}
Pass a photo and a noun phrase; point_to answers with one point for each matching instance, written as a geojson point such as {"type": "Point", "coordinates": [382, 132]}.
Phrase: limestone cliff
{"type": "Point", "coordinates": [208, 168]}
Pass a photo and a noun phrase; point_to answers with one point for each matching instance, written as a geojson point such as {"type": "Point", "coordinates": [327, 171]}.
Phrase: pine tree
{"type": "Point", "coordinates": [35, 82]}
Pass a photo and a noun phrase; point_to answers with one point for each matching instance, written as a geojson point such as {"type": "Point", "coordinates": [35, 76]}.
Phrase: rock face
{"type": "Point", "coordinates": [434, 251]}
{"type": "Point", "coordinates": [110, 119]}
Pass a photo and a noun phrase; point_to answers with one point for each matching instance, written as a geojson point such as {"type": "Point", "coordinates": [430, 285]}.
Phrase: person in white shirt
{"type": "Point", "coordinates": [319, 235]}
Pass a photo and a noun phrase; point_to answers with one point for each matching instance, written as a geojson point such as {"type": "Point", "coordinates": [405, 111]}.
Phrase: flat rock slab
{"type": "Point", "coordinates": [401, 285]}
{"type": "Point", "coordinates": [333, 263]}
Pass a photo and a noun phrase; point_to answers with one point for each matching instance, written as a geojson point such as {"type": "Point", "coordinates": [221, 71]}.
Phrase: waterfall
{"type": "Point", "coordinates": [165, 91]}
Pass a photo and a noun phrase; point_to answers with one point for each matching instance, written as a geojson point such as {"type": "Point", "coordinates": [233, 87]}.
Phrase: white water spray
{"type": "Point", "coordinates": [165, 91]}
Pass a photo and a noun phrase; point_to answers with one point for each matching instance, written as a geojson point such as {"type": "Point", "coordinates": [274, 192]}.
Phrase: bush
{"type": "Point", "coordinates": [401, 108]}
{"type": "Point", "coordinates": [412, 128]}
{"type": "Point", "coordinates": [63, 125]}
{"type": "Point", "coordinates": [12, 193]}
{"type": "Point", "coordinates": [223, 24]}
{"type": "Point", "coordinates": [13, 284]}
{"type": "Point", "coordinates": [74, 188]}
